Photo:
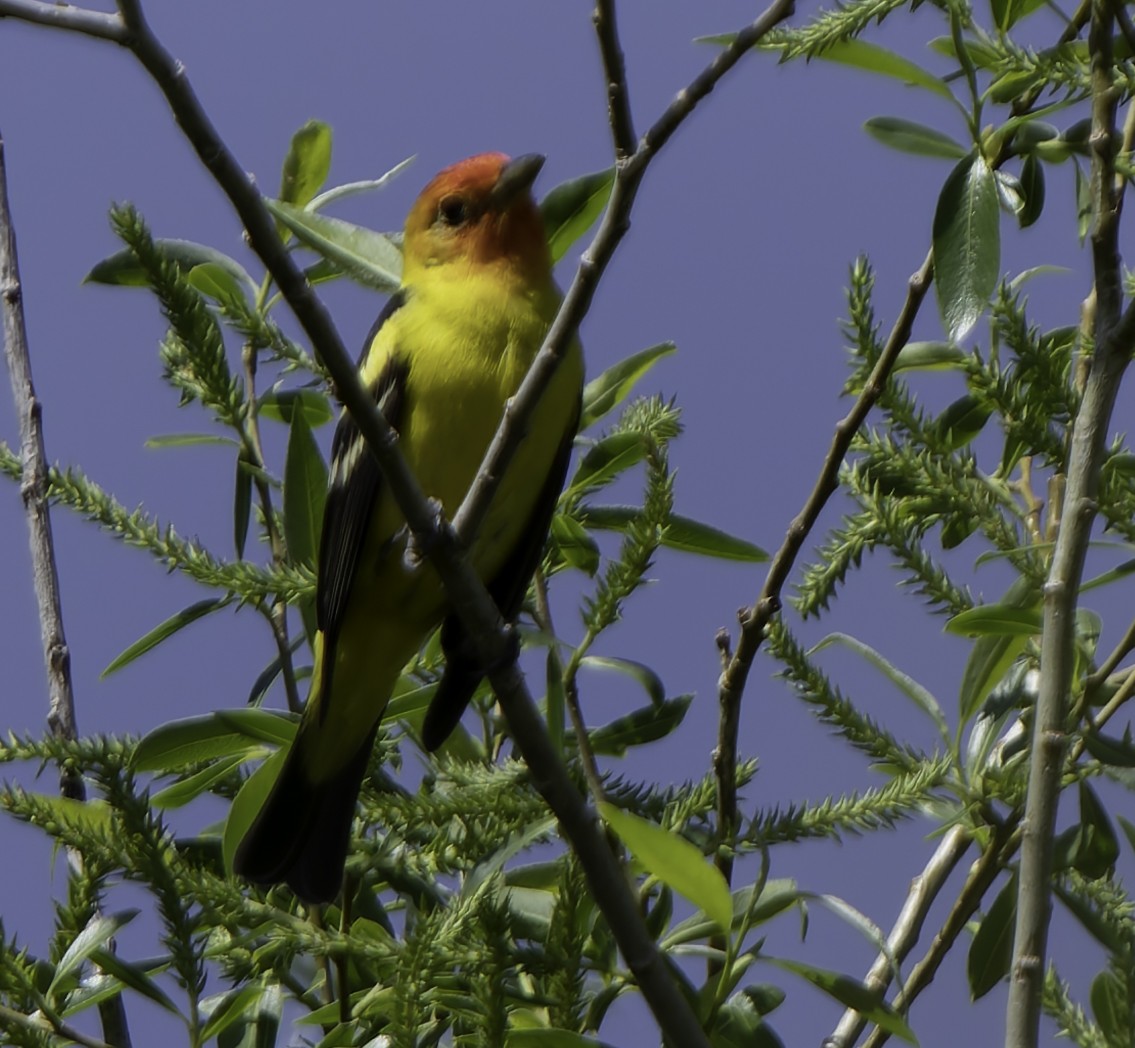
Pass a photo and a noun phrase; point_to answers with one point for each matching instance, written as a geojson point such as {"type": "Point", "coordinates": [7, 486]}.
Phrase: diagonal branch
{"type": "Point", "coordinates": [754, 620]}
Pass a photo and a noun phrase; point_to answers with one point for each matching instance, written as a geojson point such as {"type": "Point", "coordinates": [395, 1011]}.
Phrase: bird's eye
{"type": "Point", "coordinates": [452, 211]}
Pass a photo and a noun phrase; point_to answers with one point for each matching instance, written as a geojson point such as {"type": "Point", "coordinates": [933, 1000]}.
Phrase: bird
{"type": "Point", "coordinates": [449, 349]}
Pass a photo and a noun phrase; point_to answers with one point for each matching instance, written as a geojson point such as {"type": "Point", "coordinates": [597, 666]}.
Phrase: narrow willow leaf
{"type": "Point", "coordinates": [181, 793]}
{"type": "Point", "coordinates": [307, 164]}
{"type": "Point", "coordinates": [967, 245]}
{"type": "Point", "coordinates": [909, 137]}
{"type": "Point", "coordinates": [1090, 846]}
{"type": "Point", "coordinates": [242, 504]}
{"type": "Point", "coordinates": [1083, 203]}
{"type": "Point", "coordinates": [123, 268]}
{"type": "Point", "coordinates": [1111, 1007]}
{"type": "Point", "coordinates": [134, 977]}
{"type": "Point", "coordinates": [997, 620]}
{"type": "Point", "coordinates": [648, 724]}
{"type": "Point", "coordinates": [247, 803]}
{"type": "Point", "coordinates": [570, 209]}
{"type": "Point", "coordinates": [920, 696]}
{"type": "Point", "coordinates": [221, 734]}
{"type": "Point", "coordinates": [269, 674]}
{"type": "Point", "coordinates": [556, 702]}
{"type": "Point", "coordinates": [682, 533]}
{"type": "Point", "coordinates": [930, 356]}
{"type": "Point", "coordinates": [548, 1037]}
{"type": "Point", "coordinates": [350, 189]}
{"type": "Point", "coordinates": [991, 952]}
{"type": "Point", "coordinates": [644, 675]}
{"type": "Point", "coordinates": [280, 405]}
{"type": "Point", "coordinates": [607, 391]}
{"type": "Point", "coordinates": [962, 420]}
{"type": "Point", "coordinates": [574, 544]}
{"type": "Point", "coordinates": [367, 257]}
{"type": "Point", "coordinates": [989, 661]}
{"type": "Point", "coordinates": [228, 1009]}
{"type": "Point", "coordinates": [165, 630]}
{"type": "Point", "coordinates": [675, 862]}
{"type": "Point", "coordinates": [189, 440]}
{"type": "Point", "coordinates": [1117, 753]}
{"type": "Point", "coordinates": [99, 930]}
{"type": "Point", "coordinates": [851, 993]}
{"type": "Point", "coordinates": [1032, 189]}
{"type": "Point", "coordinates": [606, 459]}
{"type": "Point", "coordinates": [217, 283]}
{"type": "Point", "coordinates": [305, 490]}
{"type": "Point", "coordinates": [875, 59]}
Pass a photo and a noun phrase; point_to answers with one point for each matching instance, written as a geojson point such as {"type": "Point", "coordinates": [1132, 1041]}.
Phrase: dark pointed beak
{"type": "Point", "coordinates": [516, 177]}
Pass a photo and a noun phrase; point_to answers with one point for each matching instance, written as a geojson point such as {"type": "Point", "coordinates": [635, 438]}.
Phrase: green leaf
{"type": "Point", "coordinates": [98, 931]}
{"type": "Point", "coordinates": [606, 459]}
{"type": "Point", "coordinates": [920, 696]}
{"type": "Point", "coordinates": [682, 533]}
{"type": "Point", "coordinates": [875, 59]}
{"type": "Point", "coordinates": [675, 862]}
{"type": "Point", "coordinates": [307, 163]}
{"type": "Point", "coordinates": [305, 491]}
{"type": "Point", "coordinates": [962, 420]}
{"type": "Point", "coordinates": [227, 1009]}
{"type": "Point", "coordinates": [556, 702]}
{"type": "Point", "coordinates": [280, 405]}
{"type": "Point", "coordinates": [547, 1037]}
{"type": "Point", "coordinates": [367, 257]}
{"type": "Point", "coordinates": [269, 674]}
{"type": "Point", "coordinates": [650, 681]}
{"type": "Point", "coordinates": [909, 137]}
{"type": "Point", "coordinates": [134, 977]}
{"type": "Point", "coordinates": [738, 1024]}
{"type": "Point", "coordinates": [641, 726]}
{"type": "Point", "coordinates": [188, 440]}
{"type": "Point", "coordinates": [165, 630]}
{"type": "Point", "coordinates": [1111, 1008]}
{"type": "Point", "coordinates": [607, 391]}
{"type": "Point", "coordinates": [122, 268]}
{"type": "Point", "coordinates": [997, 620]}
{"type": "Point", "coordinates": [242, 503]}
{"type": "Point", "coordinates": [350, 189]}
{"type": "Point", "coordinates": [991, 951]}
{"type": "Point", "coordinates": [1116, 753]}
{"type": "Point", "coordinates": [221, 734]}
{"type": "Point", "coordinates": [247, 803]}
{"type": "Point", "coordinates": [218, 283]}
{"type": "Point", "coordinates": [1032, 189]}
{"type": "Point", "coordinates": [1083, 203]}
{"type": "Point", "coordinates": [1090, 846]}
{"type": "Point", "coordinates": [191, 787]}
{"type": "Point", "coordinates": [574, 544]}
{"type": "Point", "coordinates": [851, 993]}
{"type": "Point", "coordinates": [930, 356]}
{"type": "Point", "coordinates": [967, 245]}
{"type": "Point", "coordinates": [570, 209]}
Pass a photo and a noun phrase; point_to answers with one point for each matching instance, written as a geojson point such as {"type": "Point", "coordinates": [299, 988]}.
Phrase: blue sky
{"type": "Point", "coordinates": [738, 252]}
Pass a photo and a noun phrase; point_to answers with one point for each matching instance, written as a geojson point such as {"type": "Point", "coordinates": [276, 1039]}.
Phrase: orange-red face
{"type": "Point", "coordinates": [480, 211]}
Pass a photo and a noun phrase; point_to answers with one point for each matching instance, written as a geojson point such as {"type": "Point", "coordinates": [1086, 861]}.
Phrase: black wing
{"type": "Point", "coordinates": [351, 496]}
{"type": "Point", "coordinates": [463, 673]}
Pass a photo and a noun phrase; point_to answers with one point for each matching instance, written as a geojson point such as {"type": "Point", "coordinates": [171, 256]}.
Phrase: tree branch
{"type": "Point", "coordinates": [618, 98]}
{"type": "Point", "coordinates": [63, 16]}
{"type": "Point", "coordinates": [754, 620]}
{"type": "Point", "coordinates": [924, 890]}
{"type": "Point", "coordinates": [1113, 346]}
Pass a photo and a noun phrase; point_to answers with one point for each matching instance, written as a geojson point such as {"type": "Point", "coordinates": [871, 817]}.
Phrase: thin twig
{"type": "Point", "coordinates": [277, 614]}
{"type": "Point", "coordinates": [10, 1015]}
{"type": "Point", "coordinates": [754, 620]}
{"type": "Point", "coordinates": [618, 97]}
{"type": "Point", "coordinates": [63, 16]}
{"type": "Point", "coordinates": [924, 891]}
{"type": "Point", "coordinates": [1112, 353]}
{"type": "Point", "coordinates": [982, 874]}
{"type": "Point", "coordinates": [45, 574]}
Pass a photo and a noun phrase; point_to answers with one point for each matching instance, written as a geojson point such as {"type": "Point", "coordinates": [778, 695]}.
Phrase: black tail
{"type": "Point", "coordinates": [303, 831]}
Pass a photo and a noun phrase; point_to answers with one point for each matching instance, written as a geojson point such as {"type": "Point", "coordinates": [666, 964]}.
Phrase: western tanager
{"type": "Point", "coordinates": [447, 352]}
